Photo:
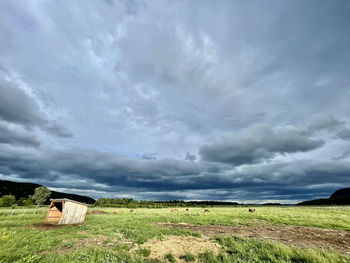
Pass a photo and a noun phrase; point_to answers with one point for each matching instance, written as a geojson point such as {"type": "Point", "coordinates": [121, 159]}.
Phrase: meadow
{"type": "Point", "coordinates": [225, 234]}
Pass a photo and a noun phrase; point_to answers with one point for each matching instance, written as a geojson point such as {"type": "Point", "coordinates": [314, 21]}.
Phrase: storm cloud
{"type": "Point", "coordinates": [17, 107]}
{"type": "Point", "coordinates": [259, 144]}
{"type": "Point", "coordinates": [344, 134]}
{"type": "Point", "coordinates": [16, 136]}
{"type": "Point", "coordinates": [226, 100]}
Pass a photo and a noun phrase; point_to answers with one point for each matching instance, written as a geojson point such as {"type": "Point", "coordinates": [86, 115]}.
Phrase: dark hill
{"type": "Point", "coordinates": [341, 192]}
{"type": "Point", "coordinates": [26, 189]}
{"type": "Point", "coordinates": [339, 197]}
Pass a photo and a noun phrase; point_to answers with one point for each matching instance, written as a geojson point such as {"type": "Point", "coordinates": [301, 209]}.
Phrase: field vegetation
{"type": "Point", "coordinates": [133, 237]}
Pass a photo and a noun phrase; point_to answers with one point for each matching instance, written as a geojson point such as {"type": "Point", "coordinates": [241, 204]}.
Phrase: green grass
{"type": "Point", "coordinates": [241, 250]}
{"type": "Point", "coordinates": [170, 258]}
{"type": "Point", "coordinates": [188, 257]}
{"type": "Point", "coordinates": [111, 238]}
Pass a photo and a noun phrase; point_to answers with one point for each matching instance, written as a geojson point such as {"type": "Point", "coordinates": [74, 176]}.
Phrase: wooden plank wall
{"type": "Point", "coordinates": [53, 215]}
{"type": "Point", "coordinates": [73, 213]}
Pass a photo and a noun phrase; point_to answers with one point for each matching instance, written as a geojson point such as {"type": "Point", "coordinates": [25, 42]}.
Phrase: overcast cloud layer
{"type": "Point", "coordinates": [198, 100]}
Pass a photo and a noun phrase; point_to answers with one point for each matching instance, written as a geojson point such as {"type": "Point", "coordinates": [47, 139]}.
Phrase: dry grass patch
{"type": "Point", "coordinates": [179, 246]}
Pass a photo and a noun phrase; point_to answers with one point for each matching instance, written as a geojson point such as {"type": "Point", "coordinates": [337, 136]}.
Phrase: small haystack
{"type": "Point", "coordinates": [66, 211]}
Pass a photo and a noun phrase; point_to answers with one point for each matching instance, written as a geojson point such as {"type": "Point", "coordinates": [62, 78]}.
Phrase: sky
{"type": "Point", "coordinates": [244, 101]}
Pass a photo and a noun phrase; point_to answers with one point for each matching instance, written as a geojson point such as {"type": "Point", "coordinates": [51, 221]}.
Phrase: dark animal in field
{"type": "Point", "coordinates": [206, 211]}
{"type": "Point", "coordinates": [174, 210]}
{"type": "Point", "coordinates": [132, 211]}
{"type": "Point", "coordinates": [251, 210]}
{"type": "Point", "coordinates": [187, 209]}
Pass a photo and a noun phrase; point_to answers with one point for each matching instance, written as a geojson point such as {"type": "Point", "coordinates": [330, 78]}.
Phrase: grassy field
{"type": "Point", "coordinates": [124, 237]}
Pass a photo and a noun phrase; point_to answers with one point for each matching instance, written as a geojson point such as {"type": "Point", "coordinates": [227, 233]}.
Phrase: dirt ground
{"type": "Point", "coordinates": [299, 236]}
{"type": "Point", "coordinates": [179, 246]}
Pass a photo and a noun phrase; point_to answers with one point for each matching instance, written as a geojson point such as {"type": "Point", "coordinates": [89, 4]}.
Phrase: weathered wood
{"type": "Point", "coordinates": [53, 215]}
{"type": "Point", "coordinates": [65, 211]}
{"type": "Point", "coordinates": [73, 213]}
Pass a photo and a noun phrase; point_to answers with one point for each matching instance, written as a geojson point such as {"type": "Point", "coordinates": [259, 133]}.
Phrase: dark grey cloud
{"type": "Point", "coordinates": [344, 134]}
{"type": "Point", "coordinates": [258, 144]}
{"type": "Point", "coordinates": [99, 172]}
{"type": "Point", "coordinates": [149, 156]}
{"type": "Point", "coordinates": [324, 121]}
{"type": "Point", "coordinates": [15, 136]}
{"type": "Point", "coordinates": [190, 157]}
{"type": "Point", "coordinates": [17, 107]}
{"type": "Point", "coordinates": [58, 130]}
{"type": "Point", "coordinates": [342, 156]}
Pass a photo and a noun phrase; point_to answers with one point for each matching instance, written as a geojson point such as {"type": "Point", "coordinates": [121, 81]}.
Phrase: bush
{"type": "Point", "coordinates": [7, 200]}
{"type": "Point", "coordinates": [21, 201]}
{"type": "Point", "coordinates": [29, 201]}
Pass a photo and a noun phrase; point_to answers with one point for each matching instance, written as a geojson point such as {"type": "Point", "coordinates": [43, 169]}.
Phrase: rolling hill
{"type": "Point", "coordinates": [339, 197]}
{"type": "Point", "coordinates": [26, 189]}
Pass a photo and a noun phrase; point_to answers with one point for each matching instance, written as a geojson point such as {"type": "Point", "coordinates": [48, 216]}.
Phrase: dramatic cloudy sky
{"type": "Point", "coordinates": [217, 100]}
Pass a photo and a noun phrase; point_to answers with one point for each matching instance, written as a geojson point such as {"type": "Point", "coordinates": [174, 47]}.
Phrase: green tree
{"type": "Point", "coordinates": [21, 201]}
{"type": "Point", "coordinates": [7, 200]}
{"type": "Point", "coordinates": [29, 201]}
{"type": "Point", "coordinates": [41, 194]}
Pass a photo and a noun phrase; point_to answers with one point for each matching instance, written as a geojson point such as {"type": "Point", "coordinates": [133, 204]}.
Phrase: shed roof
{"type": "Point", "coordinates": [66, 200]}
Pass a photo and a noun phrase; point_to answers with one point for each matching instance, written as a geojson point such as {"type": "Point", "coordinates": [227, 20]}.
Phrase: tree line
{"type": "Point", "coordinates": [131, 203]}
{"type": "Point", "coordinates": [40, 196]}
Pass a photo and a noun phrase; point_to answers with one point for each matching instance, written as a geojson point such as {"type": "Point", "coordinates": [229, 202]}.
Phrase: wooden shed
{"type": "Point", "coordinates": [66, 211]}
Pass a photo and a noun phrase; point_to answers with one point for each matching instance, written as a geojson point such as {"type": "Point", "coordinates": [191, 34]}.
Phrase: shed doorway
{"type": "Point", "coordinates": [55, 212]}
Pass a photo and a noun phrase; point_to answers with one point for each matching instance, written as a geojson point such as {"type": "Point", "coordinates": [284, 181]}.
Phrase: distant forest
{"type": "Point", "coordinates": [130, 203]}
{"type": "Point", "coordinates": [20, 194]}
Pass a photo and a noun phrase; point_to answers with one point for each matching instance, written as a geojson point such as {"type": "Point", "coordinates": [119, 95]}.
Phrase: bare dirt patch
{"type": "Point", "coordinates": [299, 236]}
{"type": "Point", "coordinates": [96, 212]}
{"type": "Point", "coordinates": [180, 245]}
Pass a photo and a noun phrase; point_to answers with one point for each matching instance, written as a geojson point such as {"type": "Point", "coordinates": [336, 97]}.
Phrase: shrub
{"type": "Point", "coordinates": [21, 201]}
{"type": "Point", "coordinates": [144, 252]}
{"type": "Point", "coordinates": [7, 200]}
{"type": "Point", "coordinates": [188, 257]}
{"type": "Point", "coordinates": [170, 258]}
